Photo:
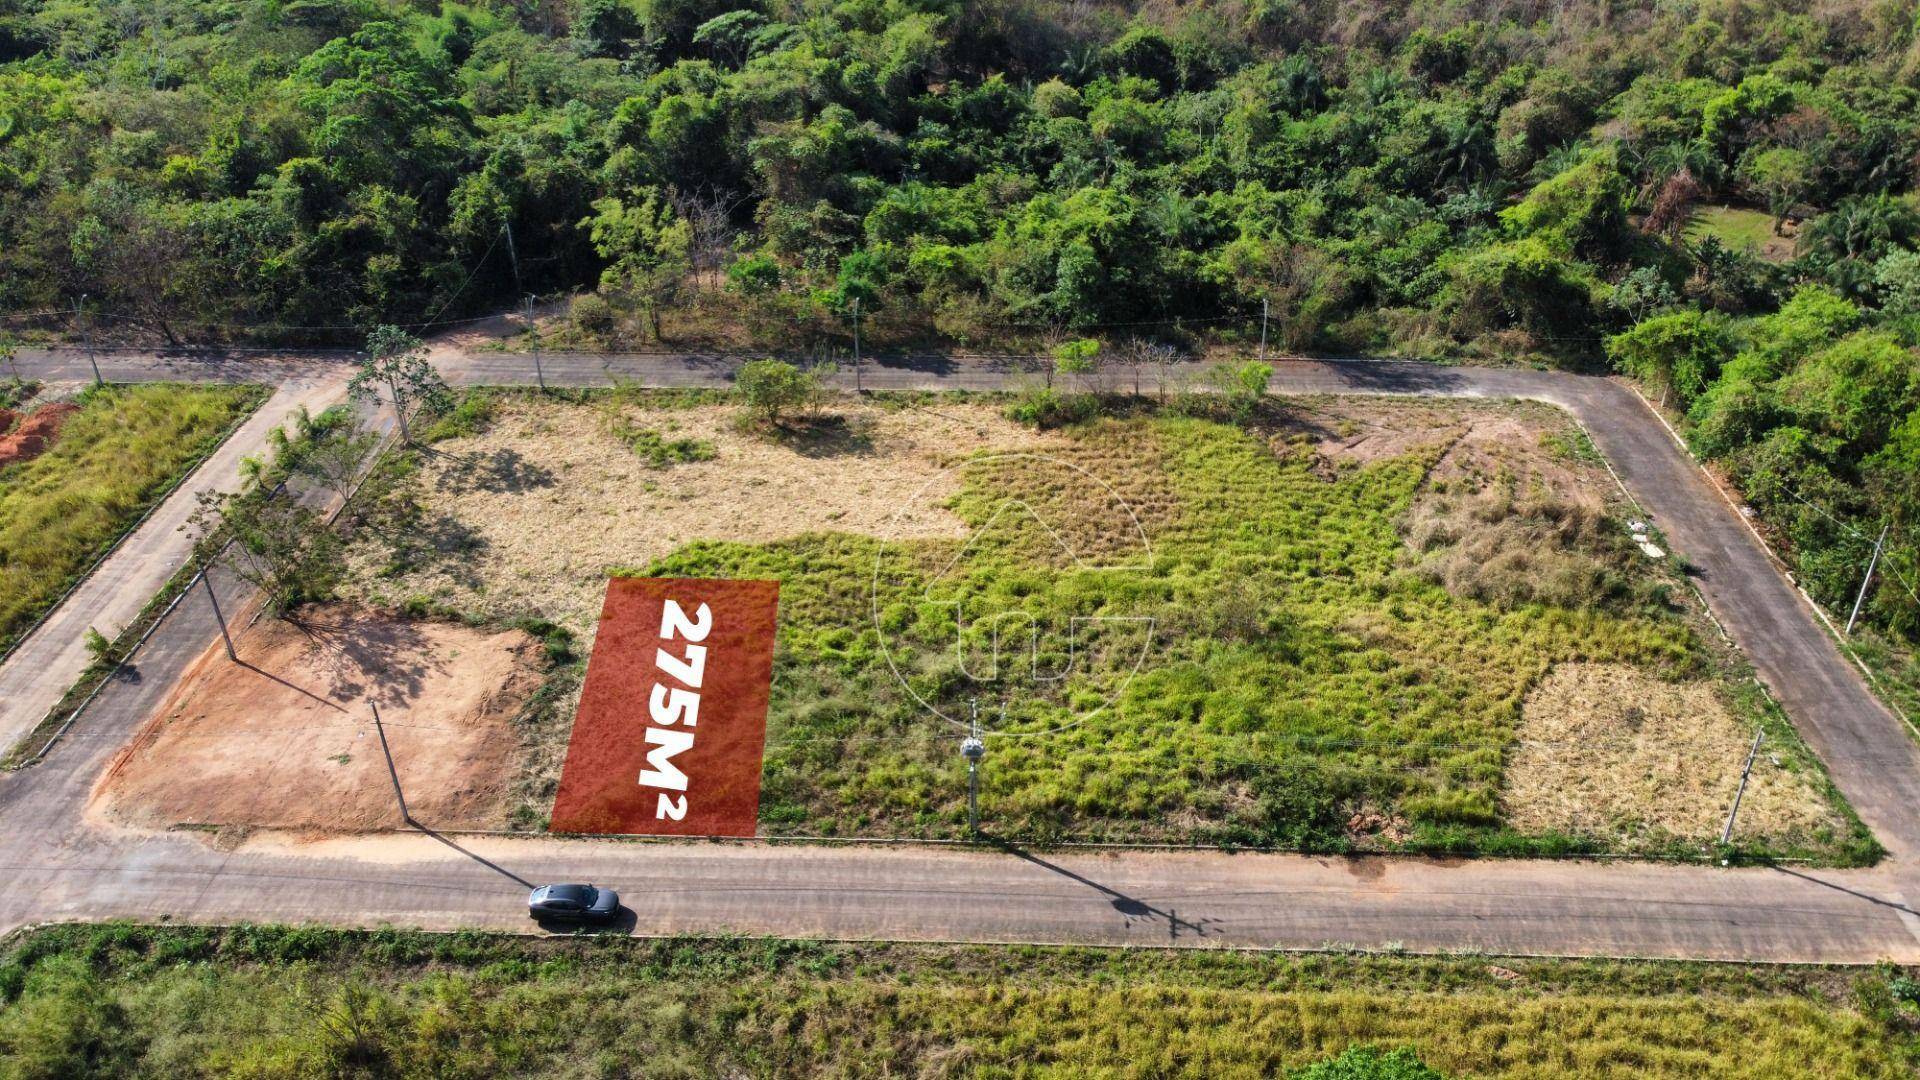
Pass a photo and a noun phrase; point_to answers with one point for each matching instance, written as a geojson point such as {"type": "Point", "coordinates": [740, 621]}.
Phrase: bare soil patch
{"type": "Point", "coordinates": [530, 515]}
{"type": "Point", "coordinates": [285, 738]}
{"type": "Point", "coordinates": [26, 439]}
{"type": "Point", "coordinates": [1606, 749]}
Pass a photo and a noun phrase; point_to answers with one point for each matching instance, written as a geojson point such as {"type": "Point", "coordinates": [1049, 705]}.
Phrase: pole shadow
{"type": "Point", "coordinates": [1837, 887]}
{"type": "Point", "coordinates": [299, 689]}
{"type": "Point", "coordinates": [482, 860]}
{"type": "Point", "coordinates": [1129, 907]}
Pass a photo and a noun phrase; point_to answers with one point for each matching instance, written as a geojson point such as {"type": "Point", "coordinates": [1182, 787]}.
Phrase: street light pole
{"type": "Point", "coordinates": [513, 256]}
{"type": "Point", "coordinates": [973, 749]}
{"type": "Point", "coordinates": [1868, 580]}
{"type": "Point", "coordinates": [86, 334]}
{"type": "Point", "coordinates": [206, 578]}
{"type": "Point", "coordinates": [856, 345]}
{"type": "Point", "coordinates": [392, 772]}
{"type": "Point", "coordinates": [1726, 834]}
{"type": "Point", "coordinates": [533, 335]}
{"type": "Point", "coordinates": [1263, 328]}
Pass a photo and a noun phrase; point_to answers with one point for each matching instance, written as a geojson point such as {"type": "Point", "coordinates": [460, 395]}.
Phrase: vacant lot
{"type": "Point", "coordinates": [529, 517]}
{"type": "Point", "coordinates": [131, 1001]}
{"type": "Point", "coordinates": [123, 448]}
{"type": "Point", "coordinates": [285, 738]}
{"type": "Point", "coordinates": [1351, 608]}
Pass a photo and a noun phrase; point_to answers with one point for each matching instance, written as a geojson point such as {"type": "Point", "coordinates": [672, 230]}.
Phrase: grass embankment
{"type": "Point", "coordinates": [126, 446]}
{"type": "Point", "coordinates": [84, 1001]}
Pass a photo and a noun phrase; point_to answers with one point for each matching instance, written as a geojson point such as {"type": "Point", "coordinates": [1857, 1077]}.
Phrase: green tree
{"type": "Point", "coordinates": [1781, 176]}
{"type": "Point", "coordinates": [1369, 1063]}
{"type": "Point", "coordinates": [1581, 209]}
{"type": "Point", "coordinates": [398, 361]}
{"type": "Point", "coordinates": [773, 390]}
{"type": "Point", "coordinates": [646, 246]}
{"type": "Point", "coordinates": [1680, 354]}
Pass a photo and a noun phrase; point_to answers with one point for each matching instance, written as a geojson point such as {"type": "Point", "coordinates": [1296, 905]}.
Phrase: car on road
{"type": "Point", "coordinates": [573, 903]}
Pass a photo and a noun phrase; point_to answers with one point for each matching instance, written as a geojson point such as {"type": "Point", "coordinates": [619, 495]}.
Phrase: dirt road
{"type": "Point", "coordinates": [60, 868]}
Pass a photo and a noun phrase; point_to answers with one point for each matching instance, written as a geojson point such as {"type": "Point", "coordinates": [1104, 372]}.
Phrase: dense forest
{"type": "Point", "coordinates": [1713, 195]}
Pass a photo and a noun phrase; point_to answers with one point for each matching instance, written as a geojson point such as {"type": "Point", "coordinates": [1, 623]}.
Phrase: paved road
{"type": "Point", "coordinates": [59, 867]}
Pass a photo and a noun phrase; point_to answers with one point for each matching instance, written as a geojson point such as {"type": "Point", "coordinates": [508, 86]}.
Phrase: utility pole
{"type": "Point", "coordinates": [1263, 328]}
{"type": "Point", "coordinates": [392, 772]}
{"type": "Point", "coordinates": [1726, 834]}
{"type": "Point", "coordinates": [86, 334]}
{"type": "Point", "coordinates": [513, 255]}
{"type": "Point", "coordinates": [973, 749]}
{"type": "Point", "coordinates": [1867, 580]}
{"type": "Point", "coordinates": [206, 578]}
{"type": "Point", "coordinates": [856, 345]}
{"type": "Point", "coordinates": [533, 335]}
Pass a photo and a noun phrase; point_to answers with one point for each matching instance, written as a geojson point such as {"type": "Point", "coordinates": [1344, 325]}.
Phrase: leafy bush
{"type": "Point", "coordinates": [774, 390]}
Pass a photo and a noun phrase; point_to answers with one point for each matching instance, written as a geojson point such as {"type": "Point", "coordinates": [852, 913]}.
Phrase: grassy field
{"type": "Point", "coordinates": [1350, 605]}
{"type": "Point", "coordinates": [104, 1001]}
{"type": "Point", "coordinates": [1740, 229]}
{"type": "Point", "coordinates": [1301, 676]}
{"type": "Point", "coordinates": [127, 445]}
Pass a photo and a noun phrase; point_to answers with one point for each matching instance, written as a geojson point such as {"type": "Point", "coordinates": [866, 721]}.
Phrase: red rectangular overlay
{"type": "Point", "coordinates": [673, 718]}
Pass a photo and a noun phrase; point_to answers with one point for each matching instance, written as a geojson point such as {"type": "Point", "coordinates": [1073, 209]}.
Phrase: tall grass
{"type": "Point", "coordinates": [124, 447]}
{"type": "Point", "coordinates": [90, 1001]}
{"type": "Point", "coordinates": [1303, 675]}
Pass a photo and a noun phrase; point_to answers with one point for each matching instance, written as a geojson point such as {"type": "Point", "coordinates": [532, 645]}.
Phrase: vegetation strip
{"type": "Point", "coordinates": [117, 999]}
{"type": "Point", "coordinates": [244, 399]}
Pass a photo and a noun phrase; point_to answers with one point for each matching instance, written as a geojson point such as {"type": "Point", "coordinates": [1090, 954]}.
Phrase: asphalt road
{"type": "Point", "coordinates": [58, 866]}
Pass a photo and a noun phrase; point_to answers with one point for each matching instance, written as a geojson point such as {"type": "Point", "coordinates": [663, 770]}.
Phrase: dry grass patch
{"type": "Point", "coordinates": [1606, 749]}
{"type": "Point", "coordinates": [285, 738]}
{"type": "Point", "coordinates": [533, 512]}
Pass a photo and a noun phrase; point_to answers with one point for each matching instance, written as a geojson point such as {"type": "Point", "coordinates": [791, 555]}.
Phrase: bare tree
{"type": "Point", "coordinates": [708, 213]}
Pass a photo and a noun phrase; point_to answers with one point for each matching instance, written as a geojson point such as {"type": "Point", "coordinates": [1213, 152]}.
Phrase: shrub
{"type": "Point", "coordinates": [773, 390]}
{"type": "Point", "coordinates": [594, 316]}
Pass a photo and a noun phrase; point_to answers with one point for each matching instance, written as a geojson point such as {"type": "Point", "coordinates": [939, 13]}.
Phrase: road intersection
{"type": "Point", "coordinates": [58, 865]}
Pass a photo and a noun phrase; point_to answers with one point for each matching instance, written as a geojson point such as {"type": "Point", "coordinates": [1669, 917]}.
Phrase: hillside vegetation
{"type": "Point", "coordinates": [1494, 180]}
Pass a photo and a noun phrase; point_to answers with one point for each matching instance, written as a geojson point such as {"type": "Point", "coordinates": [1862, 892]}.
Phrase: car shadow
{"type": "Point", "coordinates": [621, 925]}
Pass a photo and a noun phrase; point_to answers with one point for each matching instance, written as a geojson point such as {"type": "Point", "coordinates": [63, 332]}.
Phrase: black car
{"type": "Point", "coordinates": [578, 903]}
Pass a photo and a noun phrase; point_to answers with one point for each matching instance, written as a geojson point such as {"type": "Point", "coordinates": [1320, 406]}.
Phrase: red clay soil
{"type": "Point", "coordinates": [284, 738]}
{"type": "Point", "coordinates": [35, 433]}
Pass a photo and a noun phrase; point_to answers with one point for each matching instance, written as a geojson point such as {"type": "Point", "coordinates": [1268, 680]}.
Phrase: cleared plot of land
{"type": "Point", "coordinates": [285, 738]}
{"type": "Point", "coordinates": [1607, 749]}
{"type": "Point", "coordinates": [118, 1000]}
{"type": "Point", "coordinates": [531, 516]}
{"type": "Point", "coordinates": [125, 446]}
{"type": "Point", "coordinates": [1350, 601]}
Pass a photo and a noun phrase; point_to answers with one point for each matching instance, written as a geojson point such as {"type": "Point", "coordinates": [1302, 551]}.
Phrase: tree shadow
{"type": "Point", "coordinates": [826, 436]}
{"type": "Point", "coordinates": [500, 471]}
{"type": "Point", "coordinates": [442, 542]}
{"type": "Point", "coordinates": [372, 651]}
